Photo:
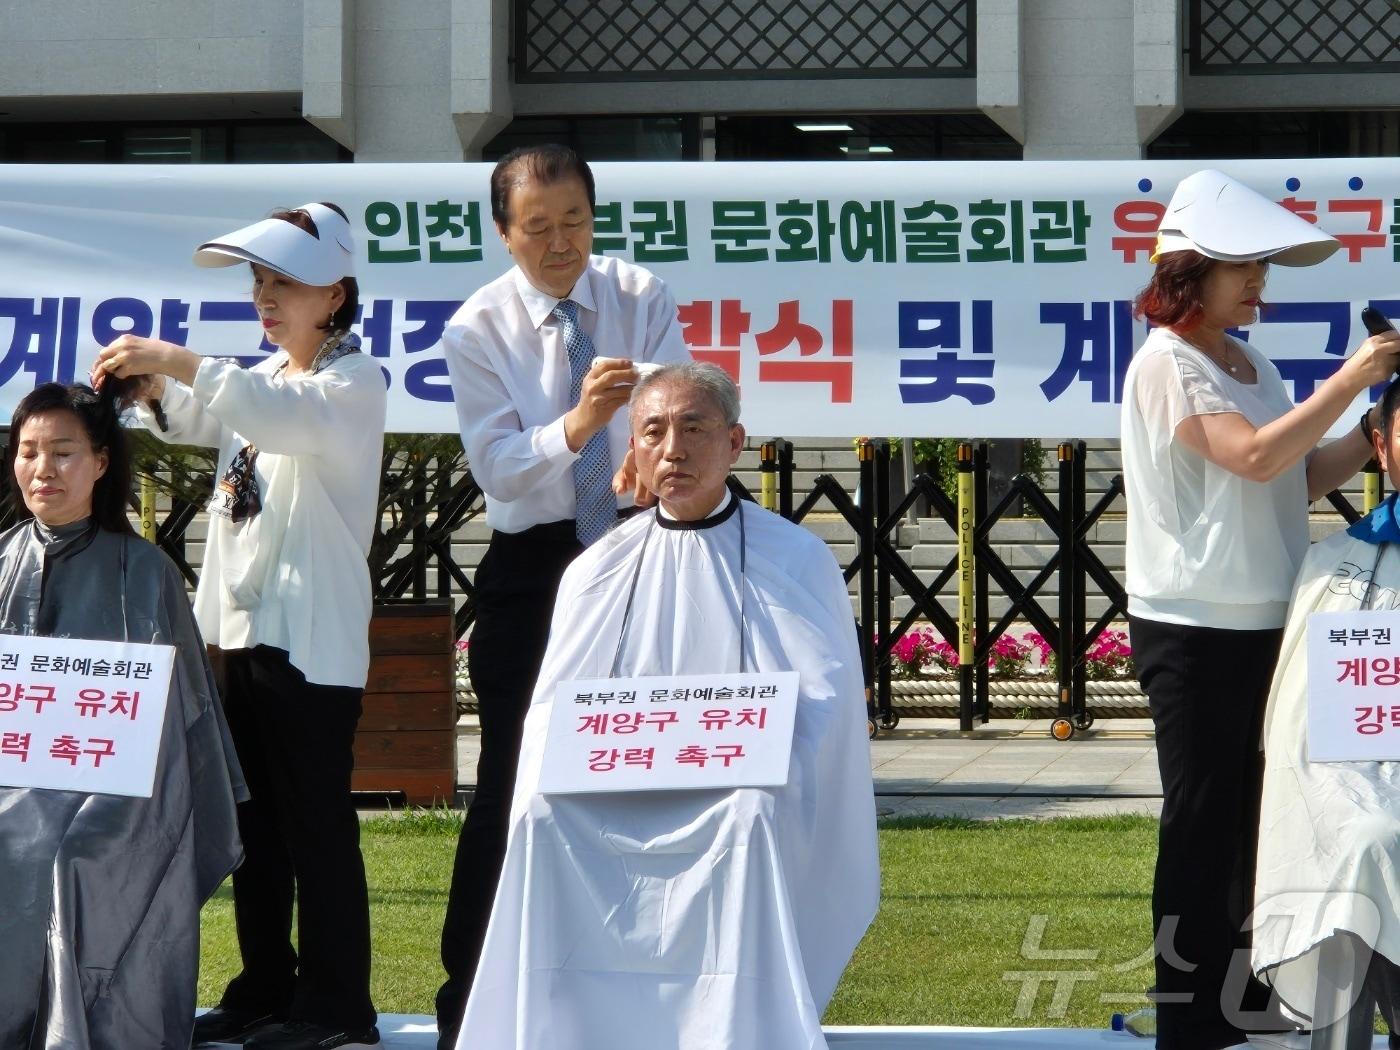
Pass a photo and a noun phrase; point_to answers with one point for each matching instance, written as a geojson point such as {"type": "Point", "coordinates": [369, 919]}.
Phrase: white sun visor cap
{"type": "Point", "coordinates": [291, 251]}
{"type": "Point", "coordinates": [1221, 218]}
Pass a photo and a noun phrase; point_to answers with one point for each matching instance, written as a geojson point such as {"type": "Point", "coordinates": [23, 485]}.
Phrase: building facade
{"type": "Point", "coordinates": [162, 81]}
{"type": "Point", "coordinates": [444, 80]}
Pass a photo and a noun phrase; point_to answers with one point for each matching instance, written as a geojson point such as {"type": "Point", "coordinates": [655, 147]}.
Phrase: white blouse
{"type": "Point", "coordinates": [294, 576]}
{"type": "Point", "coordinates": [1205, 546]}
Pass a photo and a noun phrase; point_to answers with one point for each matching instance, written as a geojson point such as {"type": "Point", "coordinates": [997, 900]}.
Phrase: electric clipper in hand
{"type": "Point", "coordinates": [1375, 321]}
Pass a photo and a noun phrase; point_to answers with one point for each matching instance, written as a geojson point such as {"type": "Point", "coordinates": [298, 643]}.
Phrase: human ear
{"type": "Point", "coordinates": [736, 442]}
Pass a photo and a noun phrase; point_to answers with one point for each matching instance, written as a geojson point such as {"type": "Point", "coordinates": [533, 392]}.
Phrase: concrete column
{"type": "Point", "coordinates": [1157, 73]}
{"type": "Point", "coordinates": [328, 67]}
{"type": "Point", "coordinates": [1001, 65]}
{"type": "Point", "coordinates": [481, 91]}
{"type": "Point", "coordinates": [1078, 100]}
{"type": "Point", "coordinates": [403, 55]}
{"type": "Point", "coordinates": [708, 133]}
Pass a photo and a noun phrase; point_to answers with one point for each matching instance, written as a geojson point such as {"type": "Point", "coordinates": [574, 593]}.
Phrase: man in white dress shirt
{"type": "Point", "coordinates": [540, 361]}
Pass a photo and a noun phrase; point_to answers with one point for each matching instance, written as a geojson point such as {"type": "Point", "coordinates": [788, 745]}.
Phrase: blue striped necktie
{"type": "Point", "coordinates": [597, 506]}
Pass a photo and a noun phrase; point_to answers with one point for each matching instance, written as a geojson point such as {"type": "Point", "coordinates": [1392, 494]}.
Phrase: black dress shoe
{"type": "Point", "coordinates": [226, 1024]}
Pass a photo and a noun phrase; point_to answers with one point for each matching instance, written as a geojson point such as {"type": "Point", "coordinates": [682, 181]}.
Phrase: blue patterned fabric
{"type": "Point", "coordinates": [597, 506]}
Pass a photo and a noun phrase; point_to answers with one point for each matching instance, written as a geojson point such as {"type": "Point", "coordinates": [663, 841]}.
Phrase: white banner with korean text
{"type": "Point", "coordinates": [670, 733]}
{"type": "Point", "coordinates": [1354, 686]}
{"type": "Point", "coordinates": [941, 299]}
{"type": "Point", "coordinates": [79, 715]}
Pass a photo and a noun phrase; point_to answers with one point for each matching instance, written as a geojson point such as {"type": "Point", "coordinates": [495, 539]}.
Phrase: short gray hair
{"type": "Point", "coordinates": [712, 379]}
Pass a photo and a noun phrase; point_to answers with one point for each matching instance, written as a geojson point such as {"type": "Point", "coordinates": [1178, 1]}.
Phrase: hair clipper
{"type": "Point", "coordinates": [1375, 321]}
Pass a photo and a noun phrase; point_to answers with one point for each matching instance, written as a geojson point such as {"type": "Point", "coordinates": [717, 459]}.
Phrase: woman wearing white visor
{"type": "Point", "coordinates": [1220, 468]}
{"type": "Point", "coordinates": [285, 592]}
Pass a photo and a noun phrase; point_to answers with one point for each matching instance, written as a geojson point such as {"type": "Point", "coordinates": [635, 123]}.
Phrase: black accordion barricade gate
{"type": "Point", "coordinates": [1067, 567]}
{"type": "Point", "coordinates": [877, 564]}
{"type": "Point", "coordinates": [1081, 562]}
{"type": "Point", "coordinates": [1022, 599]}
{"type": "Point", "coordinates": [892, 568]}
{"type": "Point", "coordinates": [1073, 562]}
{"type": "Point", "coordinates": [426, 495]}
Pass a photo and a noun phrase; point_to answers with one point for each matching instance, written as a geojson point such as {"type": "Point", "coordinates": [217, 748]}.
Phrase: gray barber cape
{"type": "Point", "coordinates": [100, 894]}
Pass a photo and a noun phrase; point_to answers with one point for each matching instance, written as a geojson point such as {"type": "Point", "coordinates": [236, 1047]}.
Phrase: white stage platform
{"type": "Point", "coordinates": [400, 1032]}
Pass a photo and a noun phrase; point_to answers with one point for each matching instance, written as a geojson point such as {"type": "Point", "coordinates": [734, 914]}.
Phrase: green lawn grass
{"type": "Point", "coordinates": [966, 908]}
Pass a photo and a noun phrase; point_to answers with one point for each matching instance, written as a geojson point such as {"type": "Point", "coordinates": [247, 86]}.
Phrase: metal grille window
{"type": "Point", "coordinates": [1294, 36]}
{"type": "Point", "coordinates": [601, 40]}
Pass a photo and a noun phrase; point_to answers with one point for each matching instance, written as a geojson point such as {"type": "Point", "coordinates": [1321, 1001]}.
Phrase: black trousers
{"type": "Point", "coordinates": [301, 839]}
{"type": "Point", "coordinates": [1377, 976]}
{"type": "Point", "coordinates": [1207, 689]}
{"type": "Point", "coordinates": [1383, 983]}
{"type": "Point", "coordinates": [516, 583]}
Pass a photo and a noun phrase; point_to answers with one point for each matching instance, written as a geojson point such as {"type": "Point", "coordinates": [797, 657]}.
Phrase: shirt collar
{"type": "Point", "coordinates": [1380, 526]}
{"type": "Point", "coordinates": [540, 305]}
{"type": "Point", "coordinates": [717, 516]}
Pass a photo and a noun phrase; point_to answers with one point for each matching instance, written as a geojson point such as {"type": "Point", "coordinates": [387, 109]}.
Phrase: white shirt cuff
{"type": "Point", "coordinates": [552, 445]}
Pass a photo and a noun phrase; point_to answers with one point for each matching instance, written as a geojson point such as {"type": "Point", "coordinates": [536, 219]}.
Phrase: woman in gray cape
{"type": "Point", "coordinates": [100, 924]}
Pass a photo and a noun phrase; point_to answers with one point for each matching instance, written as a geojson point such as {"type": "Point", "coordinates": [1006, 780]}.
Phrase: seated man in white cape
{"type": "Point", "coordinates": [1329, 832]}
{"type": "Point", "coordinates": [680, 920]}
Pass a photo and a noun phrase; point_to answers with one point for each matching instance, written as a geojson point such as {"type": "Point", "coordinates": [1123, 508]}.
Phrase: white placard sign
{"type": "Point", "coordinates": [79, 715]}
{"type": "Point", "coordinates": [669, 733]}
{"type": "Point", "coordinates": [1354, 686]}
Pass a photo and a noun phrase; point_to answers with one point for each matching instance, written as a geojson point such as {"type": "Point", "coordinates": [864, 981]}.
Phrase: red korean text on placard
{"type": "Point", "coordinates": [605, 760]}
{"type": "Point", "coordinates": [1372, 720]}
{"type": "Point", "coordinates": [13, 694]}
{"type": "Point", "coordinates": [1377, 670]}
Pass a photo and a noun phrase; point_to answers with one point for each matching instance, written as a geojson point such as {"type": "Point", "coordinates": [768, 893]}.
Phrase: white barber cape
{"type": "Point", "coordinates": [1329, 832]}
{"type": "Point", "coordinates": [683, 920]}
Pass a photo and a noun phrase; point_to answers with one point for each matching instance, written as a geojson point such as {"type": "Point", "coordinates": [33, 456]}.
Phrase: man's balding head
{"type": "Point", "coordinates": [686, 435]}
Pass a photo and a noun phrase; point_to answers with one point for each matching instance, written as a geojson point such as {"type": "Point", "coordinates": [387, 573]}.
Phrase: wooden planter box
{"type": "Point", "coordinates": [407, 737]}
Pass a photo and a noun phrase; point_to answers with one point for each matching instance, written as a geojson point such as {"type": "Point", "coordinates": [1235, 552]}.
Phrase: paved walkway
{"type": "Point", "coordinates": [1005, 768]}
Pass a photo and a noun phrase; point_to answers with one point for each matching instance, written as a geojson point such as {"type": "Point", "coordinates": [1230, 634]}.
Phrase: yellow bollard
{"type": "Point", "coordinates": [966, 524]}
{"type": "Point", "coordinates": [1370, 487]}
{"type": "Point", "coordinates": [148, 509]}
{"type": "Point", "coordinates": [768, 475]}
